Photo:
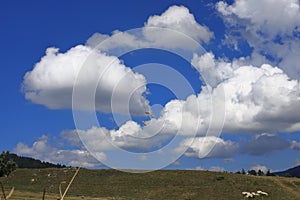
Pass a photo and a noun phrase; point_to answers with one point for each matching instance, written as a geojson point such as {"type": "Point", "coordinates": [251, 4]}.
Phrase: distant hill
{"type": "Point", "coordinates": [292, 172]}
{"type": "Point", "coordinates": [26, 162]}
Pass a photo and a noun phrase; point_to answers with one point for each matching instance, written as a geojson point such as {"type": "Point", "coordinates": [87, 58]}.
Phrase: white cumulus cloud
{"type": "Point", "coordinates": [42, 149]}
{"type": "Point", "coordinates": [51, 81]}
{"type": "Point", "coordinates": [274, 33]}
{"type": "Point", "coordinates": [209, 147]}
{"type": "Point", "coordinates": [257, 98]}
{"type": "Point", "coordinates": [168, 30]}
{"type": "Point", "coordinates": [283, 18]}
{"type": "Point", "coordinates": [180, 19]}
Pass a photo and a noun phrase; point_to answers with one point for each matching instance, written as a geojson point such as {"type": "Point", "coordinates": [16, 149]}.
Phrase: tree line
{"type": "Point", "coordinates": [256, 173]}
{"type": "Point", "coordinates": [10, 161]}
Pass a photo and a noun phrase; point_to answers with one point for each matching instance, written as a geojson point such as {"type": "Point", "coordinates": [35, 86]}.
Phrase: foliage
{"type": "Point", "coordinates": [260, 173]}
{"type": "Point", "coordinates": [9, 162]}
{"type": "Point", "coordinates": [252, 172]}
{"type": "Point", "coordinates": [25, 162]}
{"type": "Point", "coordinates": [243, 171]}
{"type": "Point", "coordinates": [287, 175]}
{"type": "Point", "coordinates": [6, 165]}
{"type": "Point", "coordinates": [269, 173]}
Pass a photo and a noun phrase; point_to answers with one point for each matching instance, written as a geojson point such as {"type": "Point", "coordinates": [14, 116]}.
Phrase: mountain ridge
{"type": "Point", "coordinates": [291, 172]}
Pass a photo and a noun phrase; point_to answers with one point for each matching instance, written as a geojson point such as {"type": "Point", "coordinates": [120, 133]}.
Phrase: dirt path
{"type": "Point", "coordinates": [281, 184]}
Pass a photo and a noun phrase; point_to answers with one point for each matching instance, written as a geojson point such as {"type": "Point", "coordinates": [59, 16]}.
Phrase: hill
{"type": "Point", "coordinates": [26, 162]}
{"type": "Point", "coordinates": [157, 185]}
{"type": "Point", "coordinates": [293, 172]}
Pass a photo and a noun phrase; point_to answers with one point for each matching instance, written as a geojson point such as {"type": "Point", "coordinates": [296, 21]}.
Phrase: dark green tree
{"type": "Point", "coordinates": [269, 173]}
{"type": "Point", "coordinates": [252, 172]}
{"type": "Point", "coordinates": [6, 165]}
{"type": "Point", "coordinates": [243, 171]}
{"type": "Point", "coordinates": [260, 173]}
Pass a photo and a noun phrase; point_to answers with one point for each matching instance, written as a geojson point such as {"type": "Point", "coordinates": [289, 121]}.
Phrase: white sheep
{"type": "Point", "coordinates": [247, 194]}
{"type": "Point", "coordinates": [255, 194]}
{"type": "Point", "coordinates": [262, 193]}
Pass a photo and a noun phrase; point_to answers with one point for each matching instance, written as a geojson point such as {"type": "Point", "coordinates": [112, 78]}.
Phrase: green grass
{"type": "Point", "coordinates": [158, 185]}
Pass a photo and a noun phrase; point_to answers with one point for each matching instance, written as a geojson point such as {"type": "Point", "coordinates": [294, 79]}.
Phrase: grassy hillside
{"type": "Point", "coordinates": [159, 185]}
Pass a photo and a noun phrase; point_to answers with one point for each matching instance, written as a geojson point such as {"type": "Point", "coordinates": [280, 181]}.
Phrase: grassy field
{"type": "Point", "coordinates": [159, 185]}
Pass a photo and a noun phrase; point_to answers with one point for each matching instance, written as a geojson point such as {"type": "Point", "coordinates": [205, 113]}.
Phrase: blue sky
{"type": "Point", "coordinates": [250, 56]}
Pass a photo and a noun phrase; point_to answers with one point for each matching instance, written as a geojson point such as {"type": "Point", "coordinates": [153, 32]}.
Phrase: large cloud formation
{"type": "Point", "coordinates": [259, 97]}
{"type": "Point", "coordinates": [283, 20]}
{"type": "Point", "coordinates": [275, 33]}
{"type": "Point", "coordinates": [160, 31]}
{"type": "Point", "coordinates": [51, 81]}
{"type": "Point", "coordinates": [199, 147]}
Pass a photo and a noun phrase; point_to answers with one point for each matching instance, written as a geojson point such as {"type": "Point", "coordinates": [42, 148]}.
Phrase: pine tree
{"type": "Point", "coordinates": [260, 173]}
{"type": "Point", "coordinates": [269, 173]}
{"type": "Point", "coordinates": [243, 171]}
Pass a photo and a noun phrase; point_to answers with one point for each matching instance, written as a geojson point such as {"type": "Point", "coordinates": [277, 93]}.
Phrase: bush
{"type": "Point", "coordinates": [287, 175]}
{"type": "Point", "coordinates": [220, 178]}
